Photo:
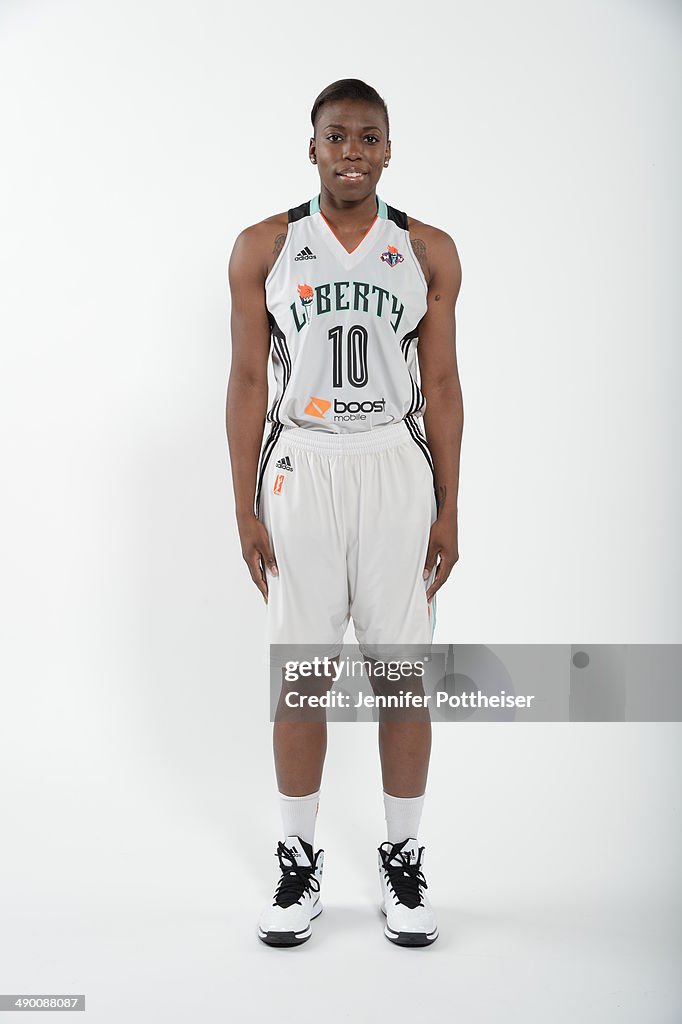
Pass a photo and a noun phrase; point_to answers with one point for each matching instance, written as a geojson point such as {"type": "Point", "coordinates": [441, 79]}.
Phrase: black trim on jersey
{"type": "Point", "coordinates": [422, 444]}
{"type": "Point", "coordinates": [268, 448]}
{"type": "Point", "coordinates": [397, 216]}
{"type": "Point", "coordinates": [417, 403]}
{"type": "Point", "coordinates": [279, 343]}
{"type": "Point", "coordinates": [299, 212]}
{"type": "Point", "coordinates": [419, 440]}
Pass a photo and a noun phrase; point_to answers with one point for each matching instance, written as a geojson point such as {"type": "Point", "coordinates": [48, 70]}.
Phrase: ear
{"type": "Point", "coordinates": [311, 148]}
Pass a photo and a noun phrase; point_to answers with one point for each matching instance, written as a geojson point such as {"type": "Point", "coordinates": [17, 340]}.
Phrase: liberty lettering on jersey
{"type": "Point", "coordinates": [358, 296]}
{"type": "Point", "coordinates": [343, 346]}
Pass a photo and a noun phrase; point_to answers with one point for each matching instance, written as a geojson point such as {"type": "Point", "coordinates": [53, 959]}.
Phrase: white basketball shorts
{"type": "Point", "coordinates": [348, 516]}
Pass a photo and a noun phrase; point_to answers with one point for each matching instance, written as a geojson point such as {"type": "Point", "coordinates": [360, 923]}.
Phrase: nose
{"type": "Point", "coordinates": [352, 148]}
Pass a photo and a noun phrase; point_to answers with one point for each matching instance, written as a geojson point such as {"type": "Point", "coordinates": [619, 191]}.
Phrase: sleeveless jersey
{"type": "Point", "coordinates": [343, 328]}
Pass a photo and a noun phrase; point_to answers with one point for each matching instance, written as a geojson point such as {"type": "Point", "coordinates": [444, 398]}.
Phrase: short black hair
{"type": "Point", "coordinates": [349, 89]}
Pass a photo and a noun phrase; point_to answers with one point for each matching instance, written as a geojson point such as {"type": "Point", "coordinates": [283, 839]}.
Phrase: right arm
{"type": "Point", "coordinates": [247, 393]}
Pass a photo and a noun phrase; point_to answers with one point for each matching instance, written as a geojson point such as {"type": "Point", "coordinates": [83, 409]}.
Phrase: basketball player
{"type": "Point", "coordinates": [347, 503]}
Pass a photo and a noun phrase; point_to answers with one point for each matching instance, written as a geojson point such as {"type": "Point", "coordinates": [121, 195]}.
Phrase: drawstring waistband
{"type": "Point", "coordinates": [375, 440]}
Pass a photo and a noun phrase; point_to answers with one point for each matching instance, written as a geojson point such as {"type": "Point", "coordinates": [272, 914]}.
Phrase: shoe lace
{"type": "Point", "coordinates": [296, 879]}
{"type": "Point", "coordinates": [405, 877]}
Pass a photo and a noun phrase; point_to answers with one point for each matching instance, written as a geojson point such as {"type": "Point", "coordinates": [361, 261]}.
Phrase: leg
{"type": "Point", "coordinates": [404, 738]}
{"type": "Point", "coordinates": [300, 741]}
{"type": "Point", "coordinates": [405, 749]}
{"type": "Point", "coordinates": [307, 605]}
{"type": "Point", "coordinates": [393, 623]}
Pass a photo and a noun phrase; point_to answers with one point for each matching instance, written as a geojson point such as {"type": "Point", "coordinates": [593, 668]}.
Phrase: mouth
{"type": "Point", "coordinates": [351, 175]}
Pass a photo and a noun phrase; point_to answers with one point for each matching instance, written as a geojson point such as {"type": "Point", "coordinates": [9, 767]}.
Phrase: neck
{"type": "Point", "coordinates": [348, 213]}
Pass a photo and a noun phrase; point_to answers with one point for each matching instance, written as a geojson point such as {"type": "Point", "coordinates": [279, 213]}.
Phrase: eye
{"type": "Point", "coordinates": [334, 135]}
{"type": "Point", "coordinates": [372, 137]}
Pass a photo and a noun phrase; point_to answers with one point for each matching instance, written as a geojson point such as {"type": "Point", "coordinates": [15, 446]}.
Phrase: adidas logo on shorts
{"type": "Point", "coordinates": [285, 463]}
{"type": "Point", "coordinates": [306, 254]}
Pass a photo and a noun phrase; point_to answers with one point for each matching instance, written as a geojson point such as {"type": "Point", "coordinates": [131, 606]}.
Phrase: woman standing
{"type": "Point", "coordinates": [347, 504]}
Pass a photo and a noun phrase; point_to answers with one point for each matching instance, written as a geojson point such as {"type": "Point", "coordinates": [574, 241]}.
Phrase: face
{"type": "Point", "coordinates": [350, 147]}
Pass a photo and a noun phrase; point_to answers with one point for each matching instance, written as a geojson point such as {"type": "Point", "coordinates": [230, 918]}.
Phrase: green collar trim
{"type": "Point", "coordinates": [382, 210]}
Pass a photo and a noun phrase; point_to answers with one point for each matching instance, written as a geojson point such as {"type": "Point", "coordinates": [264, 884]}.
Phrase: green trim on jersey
{"type": "Point", "coordinates": [382, 210]}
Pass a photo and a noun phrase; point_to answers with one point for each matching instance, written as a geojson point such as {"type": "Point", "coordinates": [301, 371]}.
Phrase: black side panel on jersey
{"type": "Point", "coordinates": [298, 212]}
{"type": "Point", "coordinates": [417, 403]}
{"type": "Point", "coordinates": [397, 216]}
{"type": "Point", "coordinates": [268, 447]}
{"type": "Point", "coordinates": [279, 343]}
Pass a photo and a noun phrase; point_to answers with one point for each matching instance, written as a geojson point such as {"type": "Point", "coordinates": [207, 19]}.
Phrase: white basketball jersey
{"type": "Point", "coordinates": [344, 328]}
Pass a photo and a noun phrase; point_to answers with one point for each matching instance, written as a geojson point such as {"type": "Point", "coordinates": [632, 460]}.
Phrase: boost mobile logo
{"type": "Point", "coordinates": [355, 407]}
{"type": "Point", "coordinates": [344, 411]}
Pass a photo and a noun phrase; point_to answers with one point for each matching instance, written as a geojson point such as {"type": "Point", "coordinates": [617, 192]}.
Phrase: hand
{"type": "Point", "coordinates": [443, 542]}
{"type": "Point", "coordinates": [257, 552]}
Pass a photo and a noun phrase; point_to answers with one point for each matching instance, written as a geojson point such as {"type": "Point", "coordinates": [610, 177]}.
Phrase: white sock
{"type": "Point", "coordinates": [299, 814]}
{"type": "Point", "coordinates": [403, 815]}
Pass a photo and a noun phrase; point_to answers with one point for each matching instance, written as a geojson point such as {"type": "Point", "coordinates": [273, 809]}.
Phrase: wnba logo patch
{"type": "Point", "coordinates": [392, 256]}
{"type": "Point", "coordinates": [279, 483]}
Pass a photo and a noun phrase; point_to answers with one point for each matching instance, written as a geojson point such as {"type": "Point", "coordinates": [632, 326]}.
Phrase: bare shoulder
{"type": "Point", "coordinates": [257, 246]}
{"type": "Point", "coordinates": [434, 248]}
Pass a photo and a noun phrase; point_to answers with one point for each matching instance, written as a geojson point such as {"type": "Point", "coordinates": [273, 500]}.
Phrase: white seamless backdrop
{"type": "Point", "coordinates": [137, 797]}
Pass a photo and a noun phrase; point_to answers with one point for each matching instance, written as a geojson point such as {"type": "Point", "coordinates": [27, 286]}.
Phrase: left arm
{"type": "Point", "coordinates": [444, 413]}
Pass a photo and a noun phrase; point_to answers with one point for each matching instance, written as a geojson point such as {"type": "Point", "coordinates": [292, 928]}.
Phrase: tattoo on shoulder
{"type": "Point", "coordinates": [279, 242]}
{"type": "Point", "coordinates": [420, 252]}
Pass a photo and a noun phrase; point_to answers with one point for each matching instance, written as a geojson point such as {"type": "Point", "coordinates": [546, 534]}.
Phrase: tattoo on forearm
{"type": "Point", "coordinates": [441, 494]}
{"type": "Point", "coordinates": [279, 242]}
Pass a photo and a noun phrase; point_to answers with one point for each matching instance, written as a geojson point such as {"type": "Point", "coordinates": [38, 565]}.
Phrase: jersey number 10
{"type": "Point", "coordinates": [357, 356]}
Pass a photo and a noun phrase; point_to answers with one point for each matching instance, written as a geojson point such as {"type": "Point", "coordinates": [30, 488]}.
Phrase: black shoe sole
{"type": "Point", "coordinates": [283, 939]}
{"type": "Point", "coordinates": [409, 938]}
{"type": "Point", "coordinates": [289, 938]}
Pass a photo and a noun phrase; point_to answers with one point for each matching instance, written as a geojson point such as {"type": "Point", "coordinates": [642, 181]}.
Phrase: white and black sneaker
{"type": "Point", "coordinates": [409, 916]}
{"type": "Point", "coordinates": [297, 896]}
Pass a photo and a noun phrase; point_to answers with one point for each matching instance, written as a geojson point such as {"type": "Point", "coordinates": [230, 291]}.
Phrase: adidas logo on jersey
{"type": "Point", "coordinates": [285, 463]}
{"type": "Point", "coordinates": [306, 253]}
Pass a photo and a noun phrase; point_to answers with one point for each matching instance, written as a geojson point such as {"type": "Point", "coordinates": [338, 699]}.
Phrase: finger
{"type": "Point", "coordinates": [431, 554]}
{"type": "Point", "coordinates": [266, 552]}
{"type": "Point", "coordinates": [269, 560]}
{"type": "Point", "coordinates": [442, 572]}
{"type": "Point", "coordinates": [258, 575]}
